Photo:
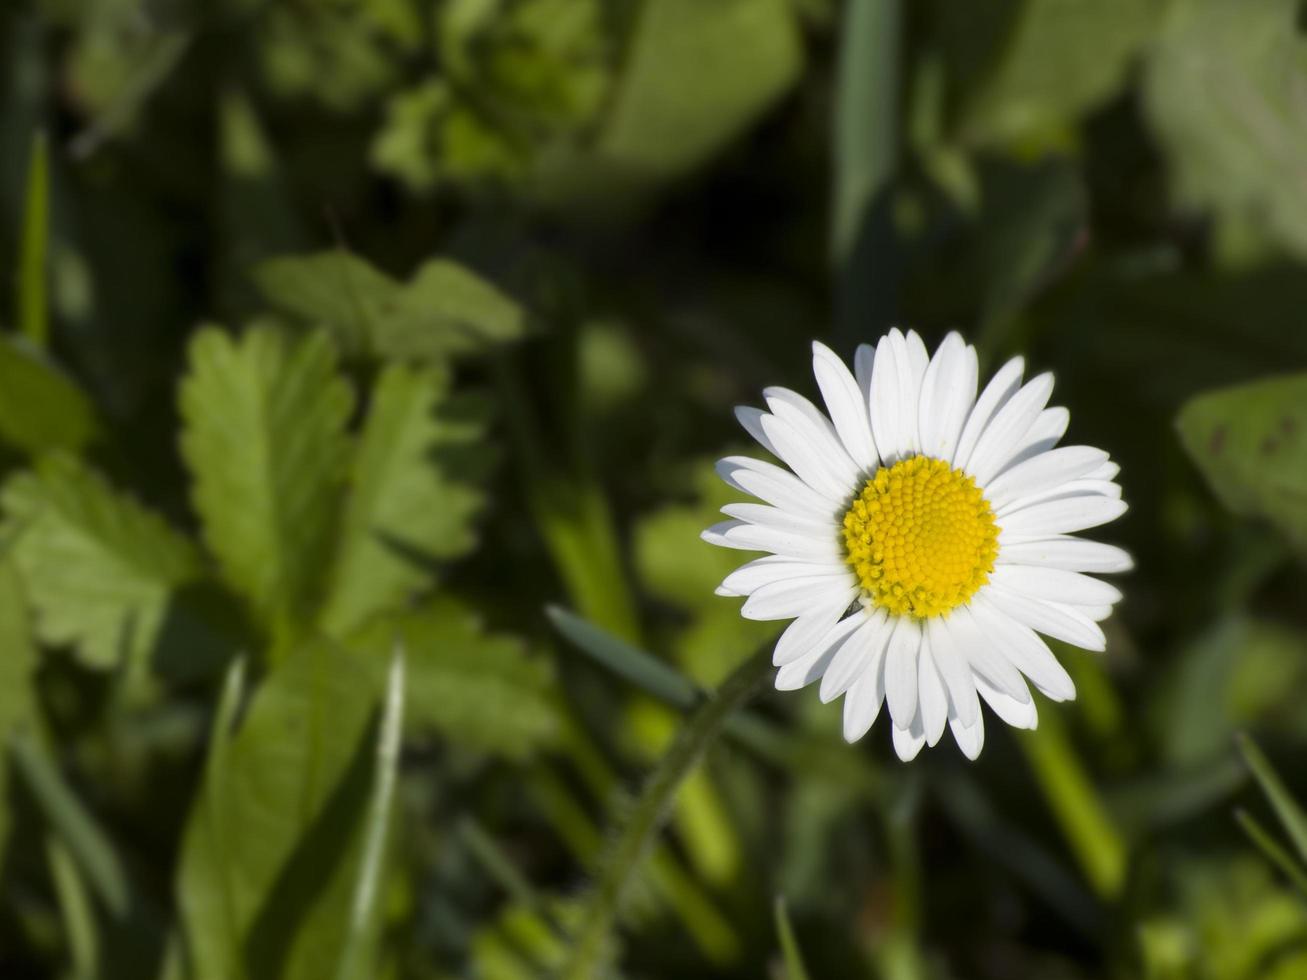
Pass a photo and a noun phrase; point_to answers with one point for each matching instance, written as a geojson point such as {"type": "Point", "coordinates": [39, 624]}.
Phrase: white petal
{"type": "Point", "coordinates": [1062, 516]}
{"type": "Point", "coordinates": [847, 406]}
{"type": "Point", "coordinates": [751, 419]}
{"type": "Point", "coordinates": [1046, 433]}
{"type": "Point", "coordinates": [765, 515]}
{"type": "Point", "coordinates": [948, 390]}
{"type": "Point", "coordinates": [886, 402]}
{"type": "Point", "coordinates": [1095, 613]}
{"type": "Point", "coordinates": [970, 738]}
{"type": "Point", "coordinates": [1001, 387]}
{"type": "Point", "coordinates": [813, 425]}
{"type": "Point", "coordinates": [980, 653]}
{"type": "Point", "coordinates": [794, 596]}
{"type": "Point", "coordinates": [1055, 585]}
{"type": "Point", "coordinates": [1073, 554]}
{"type": "Point", "coordinates": [1065, 491]}
{"type": "Point", "coordinates": [913, 362]}
{"type": "Point", "coordinates": [1025, 650]}
{"type": "Point", "coordinates": [1108, 471]}
{"type": "Point", "coordinates": [862, 703]}
{"type": "Point", "coordinates": [802, 672]}
{"type": "Point", "coordinates": [901, 670]}
{"type": "Point", "coordinates": [953, 669]}
{"type": "Point", "coordinates": [1018, 714]}
{"type": "Point", "coordinates": [808, 632]}
{"type": "Point", "coordinates": [754, 574]}
{"type": "Point", "coordinates": [861, 652]}
{"type": "Point", "coordinates": [863, 360]}
{"type": "Point", "coordinates": [1042, 472]}
{"type": "Point", "coordinates": [1002, 437]}
{"type": "Point", "coordinates": [931, 695]}
{"type": "Point", "coordinates": [755, 537]}
{"type": "Point", "coordinates": [908, 741]}
{"type": "Point", "coordinates": [777, 486]}
{"type": "Point", "coordinates": [801, 454]}
{"type": "Point", "coordinates": [1061, 623]}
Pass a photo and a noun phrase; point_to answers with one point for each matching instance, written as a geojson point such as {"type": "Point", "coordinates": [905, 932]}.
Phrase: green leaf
{"type": "Point", "coordinates": [696, 76]}
{"type": "Point", "coordinates": [77, 829]}
{"type": "Point", "coordinates": [358, 959]}
{"type": "Point", "coordinates": [33, 307]}
{"type": "Point", "coordinates": [409, 504]}
{"type": "Point", "coordinates": [481, 691]}
{"type": "Point", "coordinates": [41, 409]}
{"type": "Point", "coordinates": [270, 856]}
{"type": "Point", "coordinates": [18, 704]}
{"type": "Point", "coordinates": [1223, 94]}
{"type": "Point", "coordinates": [1060, 59]}
{"type": "Point", "coordinates": [442, 311]}
{"type": "Point", "coordinates": [1270, 847]}
{"type": "Point", "coordinates": [794, 968]}
{"type": "Point", "coordinates": [1250, 441]}
{"type": "Point", "coordinates": [1291, 815]}
{"type": "Point", "coordinates": [98, 568]}
{"type": "Point", "coordinates": [265, 441]}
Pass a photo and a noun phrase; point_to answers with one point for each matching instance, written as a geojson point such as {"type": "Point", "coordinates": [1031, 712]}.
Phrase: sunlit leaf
{"type": "Point", "coordinates": [477, 689]}
{"type": "Point", "coordinates": [410, 500]}
{"type": "Point", "coordinates": [98, 568]}
{"type": "Point", "coordinates": [265, 442]}
{"type": "Point", "coordinates": [270, 856]}
{"type": "Point", "coordinates": [1250, 441]}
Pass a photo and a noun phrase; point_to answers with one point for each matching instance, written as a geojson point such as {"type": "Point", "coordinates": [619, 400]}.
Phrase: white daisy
{"type": "Point", "coordinates": [921, 538]}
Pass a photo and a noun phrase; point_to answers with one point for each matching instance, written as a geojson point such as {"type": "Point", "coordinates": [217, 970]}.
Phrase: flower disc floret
{"type": "Point", "coordinates": [921, 537]}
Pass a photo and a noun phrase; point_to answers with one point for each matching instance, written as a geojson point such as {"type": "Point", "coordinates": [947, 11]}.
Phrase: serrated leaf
{"type": "Point", "coordinates": [443, 310]}
{"type": "Point", "coordinates": [270, 854]}
{"type": "Point", "coordinates": [479, 690]}
{"type": "Point", "coordinates": [41, 409]}
{"type": "Point", "coordinates": [265, 441]}
{"type": "Point", "coordinates": [1250, 441]}
{"type": "Point", "coordinates": [18, 705]}
{"type": "Point", "coordinates": [409, 504]}
{"type": "Point", "coordinates": [98, 568]}
{"type": "Point", "coordinates": [1224, 94]}
{"type": "Point", "coordinates": [1061, 58]}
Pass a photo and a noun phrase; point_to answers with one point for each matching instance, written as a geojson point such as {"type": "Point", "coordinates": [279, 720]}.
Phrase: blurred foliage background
{"type": "Point", "coordinates": [362, 368]}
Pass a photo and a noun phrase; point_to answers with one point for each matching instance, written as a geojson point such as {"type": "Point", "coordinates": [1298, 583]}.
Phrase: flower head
{"type": "Point", "coordinates": [921, 539]}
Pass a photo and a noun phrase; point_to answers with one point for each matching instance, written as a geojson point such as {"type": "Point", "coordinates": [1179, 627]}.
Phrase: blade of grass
{"type": "Point", "coordinates": [85, 839]}
{"type": "Point", "coordinates": [79, 918]}
{"type": "Point", "coordinates": [359, 950]}
{"type": "Point", "coordinates": [650, 812]}
{"type": "Point", "coordinates": [790, 952]}
{"type": "Point", "coordinates": [1276, 854]}
{"type": "Point", "coordinates": [1085, 821]}
{"type": "Point", "coordinates": [1288, 811]}
{"type": "Point", "coordinates": [33, 309]}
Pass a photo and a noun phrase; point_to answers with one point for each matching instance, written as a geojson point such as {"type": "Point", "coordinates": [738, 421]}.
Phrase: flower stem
{"type": "Point", "coordinates": [650, 812]}
{"type": "Point", "coordinates": [1084, 820]}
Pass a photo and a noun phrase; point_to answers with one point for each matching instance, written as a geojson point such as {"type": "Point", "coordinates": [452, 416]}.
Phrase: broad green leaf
{"type": "Point", "coordinates": [478, 690]}
{"type": "Point", "coordinates": [409, 504]}
{"type": "Point", "coordinates": [98, 568]}
{"type": "Point", "coordinates": [41, 409]}
{"type": "Point", "coordinates": [270, 855]}
{"type": "Point", "coordinates": [1223, 93]}
{"type": "Point", "coordinates": [696, 75]}
{"type": "Point", "coordinates": [1060, 59]}
{"type": "Point", "coordinates": [443, 310]}
{"type": "Point", "coordinates": [18, 705]}
{"type": "Point", "coordinates": [265, 441]}
{"type": "Point", "coordinates": [1250, 441]}
{"type": "Point", "coordinates": [33, 293]}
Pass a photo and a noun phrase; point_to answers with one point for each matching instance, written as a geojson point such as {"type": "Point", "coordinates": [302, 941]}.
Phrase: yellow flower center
{"type": "Point", "coordinates": [921, 537]}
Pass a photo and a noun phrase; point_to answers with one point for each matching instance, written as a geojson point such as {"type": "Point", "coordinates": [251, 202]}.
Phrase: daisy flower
{"type": "Point", "coordinates": [921, 539]}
